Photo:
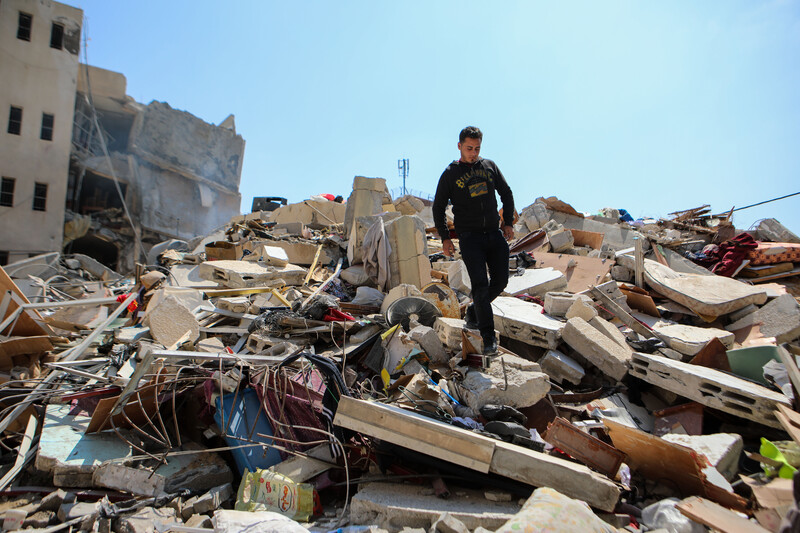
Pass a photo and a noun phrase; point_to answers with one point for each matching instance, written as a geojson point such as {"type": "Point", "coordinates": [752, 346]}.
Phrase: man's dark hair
{"type": "Point", "coordinates": [470, 131]}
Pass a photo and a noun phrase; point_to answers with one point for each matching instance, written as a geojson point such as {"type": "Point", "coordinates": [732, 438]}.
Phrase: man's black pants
{"type": "Point", "coordinates": [481, 250]}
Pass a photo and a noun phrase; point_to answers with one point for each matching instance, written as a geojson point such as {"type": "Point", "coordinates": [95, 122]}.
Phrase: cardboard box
{"type": "Point", "coordinates": [223, 250]}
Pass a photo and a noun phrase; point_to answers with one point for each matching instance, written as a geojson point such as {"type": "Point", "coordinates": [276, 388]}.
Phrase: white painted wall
{"type": "Point", "coordinates": [38, 79]}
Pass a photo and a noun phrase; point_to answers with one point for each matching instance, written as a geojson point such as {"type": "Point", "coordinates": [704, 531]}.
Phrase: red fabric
{"type": "Point", "coordinates": [133, 306]}
{"type": "Point", "coordinates": [334, 315]}
{"type": "Point", "coordinates": [328, 197]}
{"type": "Point", "coordinates": [732, 253]}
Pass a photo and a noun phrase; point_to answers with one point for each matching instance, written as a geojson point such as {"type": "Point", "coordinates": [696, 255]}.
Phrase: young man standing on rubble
{"type": "Point", "coordinates": [470, 185]}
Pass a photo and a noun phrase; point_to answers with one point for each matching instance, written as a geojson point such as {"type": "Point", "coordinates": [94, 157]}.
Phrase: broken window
{"type": "Point", "coordinates": [47, 126]}
{"type": "Point", "coordinates": [7, 192]}
{"type": "Point", "coordinates": [57, 36]}
{"type": "Point", "coordinates": [40, 197]}
{"type": "Point", "coordinates": [15, 120]}
{"type": "Point", "coordinates": [24, 27]}
{"type": "Point", "coordinates": [3, 257]}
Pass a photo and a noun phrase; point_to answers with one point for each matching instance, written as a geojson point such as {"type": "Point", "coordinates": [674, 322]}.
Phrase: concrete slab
{"type": "Point", "coordinates": [582, 308]}
{"type": "Point", "coordinates": [430, 342]}
{"type": "Point", "coordinates": [449, 331]}
{"type": "Point", "coordinates": [536, 282]}
{"type": "Point", "coordinates": [561, 367]}
{"type": "Point", "coordinates": [68, 454]}
{"type": "Point", "coordinates": [243, 274]}
{"type": "Point", "coordinates": [688, 340]}
{"type": "Point", "coordinates": [721, 449]}
{"type": "Point", "coordinates": [170, 322]}
{"type": "Point", "coordinates": [609, 330]}
{"type": "Point", "coordinates": [393, 507]}
{"type": "Point", "coordinates": [710, 387]}
{"type": "Point", "coordinates": [189, 276]}
{"type": "Point", "coordinates": [525, 322]}
{"type": "Point", "coordinates": [408, 257]}
{"type": "Point", "coordinates": [780, 318]}
{"type": "Point", "coordinates": [611, 358]}
{"type": "Point", "coordinates": [509, 380]}
{"type": "Point", "coordinates": [556, 304]}
{"type": "Point", "coordinates": [312, 213]}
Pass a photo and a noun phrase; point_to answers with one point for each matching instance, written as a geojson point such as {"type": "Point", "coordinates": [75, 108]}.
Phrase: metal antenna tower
{"type": "Point", "coordinates": [402, 166]}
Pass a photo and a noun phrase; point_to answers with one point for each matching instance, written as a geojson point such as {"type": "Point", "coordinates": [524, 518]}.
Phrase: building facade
{"type": "Point", "coordinates": [39, 47]}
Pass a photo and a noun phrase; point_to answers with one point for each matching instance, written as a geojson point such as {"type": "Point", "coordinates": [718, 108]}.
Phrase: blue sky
{"type": "Point", "coordinates": [649, 106]}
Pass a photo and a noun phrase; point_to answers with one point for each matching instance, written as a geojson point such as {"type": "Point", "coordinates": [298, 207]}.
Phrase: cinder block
{"type": "Point", "coordinates": [611, 358]}
{"type": "Point", "coordinates": [561, 367]}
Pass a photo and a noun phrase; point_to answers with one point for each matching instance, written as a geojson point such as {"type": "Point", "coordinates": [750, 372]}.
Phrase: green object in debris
{"type": "Point", "coordinates": [770, 451]}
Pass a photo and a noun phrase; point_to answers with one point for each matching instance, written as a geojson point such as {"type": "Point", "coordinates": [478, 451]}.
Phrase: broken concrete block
{"type": "Point", "coordinates": [366, 199]}
{"type": "Point", "coordinates": [583, 308]}
{"type": "Point", "coordinates": [561, 240]}
{"type": "Point", "coordinates": [520, 384]}
{"type": "Point", "coordinates": [611, 358]}
{"type": "Point", "coordinates": [536, 282]}
{"type": "Point", "coordinates": [561, 367]}
{"type": "Point", "coordinates": [129, 335]}
{"type": "Point", "coordinates": [201, 471]}
{"type": "Point", "coordinates": [210, 345]}
{"type": "Point", "coordinates": [70, 455]}
{"type": "Point", "coordinates": [709, 296]}
{"type": "Point", "coordinates": [408, 257]}
{"type": "Point", "coordinates": [430, 342]}
{"type": "Point", "coordinates": [147, 520]}
{"type": "Point", "coordinates": [303, 253]}
{"type": "Point", "coordinates": [622, 273]}
{"type": "Point", "coordinates": [535, 216]}
{"type": "Point", "coordinates": [269, 255]}
{"type": "Point", "coordinates": [525, 321]}
{"type": "Point", "coordinates": [447, 523]}
{"type": "Point", "coordinates": [457, 276]}
{"type": "Point", "coordinates": [244, 274]}
{"type": "Point", "coordinates": [710, 387]}
{"type": "Point", "coordinates": [611, 289]}
{"type": "Point", "coordinates": [71, 511]}
{"type": "Point", "coordinates": [38, 520]}
{"type": "Point", "coordinates": [264, 345]}
{"type": "Point", "coordinates": [609, 330]}
{"type": "Point", "coordinates": [780, 318]}
{"type": "Point", "coordinates": [200, 521]}
{"type": "Point", "coordinates": [237, 304]}
{"type": "Point", "coordinates": [689, 340]}
{"type": "Point", "coordinates": [312, 213]}
{"type": "Point", "coordinates": [393, 506]}
{"type": "Point", "coordinates": [170, 322]}
{"type": "Point", "coordinates": [213, 499]}
{"type": "Point", "coordinates": [409, 205]}
{"type": "Point", "coordinates": [743, 312]}
{"type": "Point", "coordinates": [721, 449]}
{"type": "Point", "coordinates": [770, 229]}
{"type": "Point", "coordinates": [449, 331]}
{"type": "Point", "coordinates": [558, 303]}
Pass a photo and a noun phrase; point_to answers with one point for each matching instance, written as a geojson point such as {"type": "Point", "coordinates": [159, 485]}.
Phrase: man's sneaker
{"type": "Point", "coordinates": [469, 317]}
{"type": "Point", "coordinates": [490, 347]}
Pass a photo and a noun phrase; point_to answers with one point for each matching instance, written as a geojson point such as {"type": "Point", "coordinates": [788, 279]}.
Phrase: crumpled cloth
{"type": "Point", "coordinates": [732, 253]}
{"type": "Point", "coordinates": [375, 251]}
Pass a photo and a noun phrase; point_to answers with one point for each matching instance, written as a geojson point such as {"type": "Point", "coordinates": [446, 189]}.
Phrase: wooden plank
{"type": "Point", "coordinates": [416, 432]}
{"type": "Point", "coordinates": [623, 315]}
{"type": "Point", "coordinates": [638, 255]}
{"type": "Point", "coordinates": [656, 459]}
{"type": "Point", "coordinates": [313, 265]}
{"type": "Point", "coordinates": [419, 433]}
{"type": "Point", "coordinates": [587, 449]}
{"type": "Point", "coordinates": [717, 517]}
{"type": "Point", "coordinates": [790, 420]}
{"type": "Point", "coordinates": [25, 326]}
{"type": "Point", "coordinates": [24, 452]}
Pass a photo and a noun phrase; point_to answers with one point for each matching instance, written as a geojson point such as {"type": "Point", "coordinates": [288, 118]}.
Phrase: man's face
{"type": "Point", "coordinates": [470, 149]}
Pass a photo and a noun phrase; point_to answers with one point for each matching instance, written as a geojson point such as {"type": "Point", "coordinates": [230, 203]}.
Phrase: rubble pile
{"type": "Point", "coordinates": [309, 369]}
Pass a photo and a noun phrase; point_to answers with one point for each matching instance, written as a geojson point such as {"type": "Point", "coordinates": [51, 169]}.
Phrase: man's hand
{"type": "Point", "coordinates": [448, 248]}
{"type": "Point", "coordinates": [508, 233]}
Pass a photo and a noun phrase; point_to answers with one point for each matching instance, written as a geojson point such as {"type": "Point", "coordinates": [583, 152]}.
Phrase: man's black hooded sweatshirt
{"type": "Point", "coordinates": [471, 187]}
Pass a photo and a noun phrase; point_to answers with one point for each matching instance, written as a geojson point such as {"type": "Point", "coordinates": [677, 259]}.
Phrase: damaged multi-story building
{"type": "Point", "coordinates": [178, 175]}
{"type": "Point", "coordinates": [115, 176]}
